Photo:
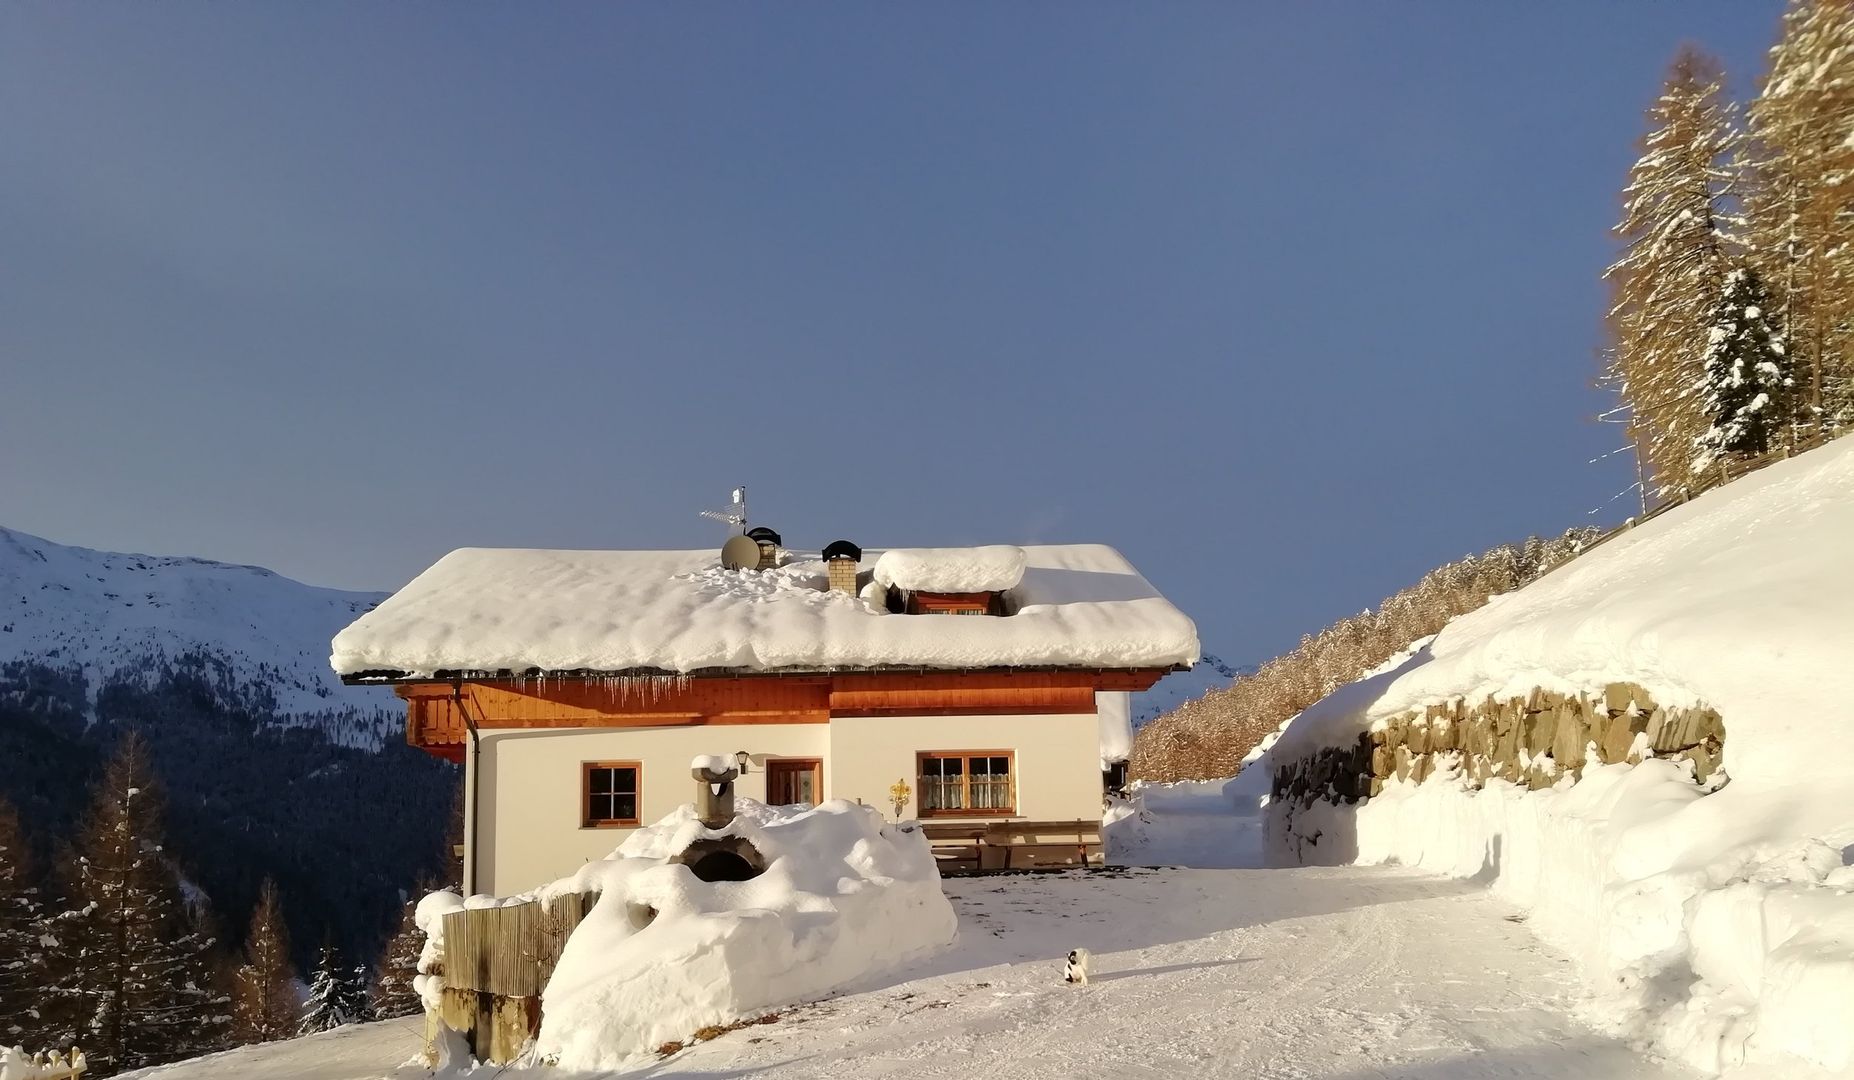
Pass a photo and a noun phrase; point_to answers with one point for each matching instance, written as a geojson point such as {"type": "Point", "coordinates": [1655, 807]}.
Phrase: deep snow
{"type": "Point", "coordinates": [845, 897]}
{"type": "Point", "coordinates": [1719, 928]}
{"type": "Point", "coordinates": [479, 609]}
{"type": "Point", "coordinates": [1312, 974]}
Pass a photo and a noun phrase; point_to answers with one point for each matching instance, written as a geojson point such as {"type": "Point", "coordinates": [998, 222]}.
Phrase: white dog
{"type": "Point", "coordinates": [1076, 970]}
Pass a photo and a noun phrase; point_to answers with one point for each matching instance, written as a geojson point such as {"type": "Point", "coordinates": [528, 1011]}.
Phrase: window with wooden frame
{"type": "Point", "coordinates": [608, 794]}
{"type": "Point", "coordinates": [967, 782]}
{"type": "Point", "coordinates": [932, 603]}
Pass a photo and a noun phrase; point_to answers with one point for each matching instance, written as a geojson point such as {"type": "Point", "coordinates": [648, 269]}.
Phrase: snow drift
{"type": "Point", "coordinates": [1720, 927]}
{"type": "Point", "coordinates": [844, 897]}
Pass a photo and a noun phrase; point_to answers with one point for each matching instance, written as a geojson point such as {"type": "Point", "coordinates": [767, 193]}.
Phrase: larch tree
{"type": "Point", "coordinates": [1667, 281]}
{"type": "Point", "coordinates": [264, 1005]}
{"type": "Point", "coordinates": [24, 964]}
{"type": "Point", "coordinates": [1799, 201]}
{"type": "Point", "coordinates": [1747, 383]}
{"type": "Point", "coordinates": [133, 982]}
{"type": "Point", "coordinates": [393, 991]}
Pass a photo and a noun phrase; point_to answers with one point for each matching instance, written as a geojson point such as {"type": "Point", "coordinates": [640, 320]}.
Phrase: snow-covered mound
{"type": "Point", "coordinates": [110, 613]}
{"type": "Point", "coordinates": [844, 896]}
{"type": "Point", "coordinates": [1719, 926]}
{"type": "Point", "coordinates": [993, 568]}
{"type": "Point", "coordinates": [482, 609]}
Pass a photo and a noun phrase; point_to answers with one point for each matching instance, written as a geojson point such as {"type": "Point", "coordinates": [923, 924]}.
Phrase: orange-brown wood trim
{"type": "Point", "coordinates": [585, 795]}
{"type": "Point", "coordinates": [1040, 709]}
{"type": "Point", "coordinates": [435, 713]}
{"type": "Point", "coordinates": [955, 700]}
{"type": "Point", "coordinates": [965, 785]}
{"type": "Point", "coordinates": [812, 765]}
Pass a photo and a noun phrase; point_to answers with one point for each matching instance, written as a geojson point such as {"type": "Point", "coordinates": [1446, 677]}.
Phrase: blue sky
{"type": "Point", "coordinates": [1290, 302]}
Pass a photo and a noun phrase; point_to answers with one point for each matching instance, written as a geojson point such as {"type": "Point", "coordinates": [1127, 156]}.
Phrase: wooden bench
{"type": "Point", "coordinates": [966, 847]}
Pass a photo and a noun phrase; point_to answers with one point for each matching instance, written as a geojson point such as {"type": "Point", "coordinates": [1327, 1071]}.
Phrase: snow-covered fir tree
{"type": "Point", "coordinates": [393, 992]}
{"type": "Point", "coordinates": [326, 1008]}
{"type": "Point", "coordinates": [132, 971]}
{"type": "Point", "coordinates": [1667, 281]}
{"type": "Point", "coordinates": [356, 1003]}
{"type": "Point", "coordinates": [23, 962]}
{"type": "Point", "coordinates": [1747, 382]}
{"type": "Point", "coordinates": [264, 1005]}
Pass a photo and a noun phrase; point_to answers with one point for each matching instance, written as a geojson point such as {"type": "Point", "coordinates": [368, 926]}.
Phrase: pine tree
{"type": "Point", "coordinates": [1748, 381]}
{"type": "Point", "coordinates": [356, 1004]}
{"type": "Point", "coordinates": [264, 1006]}
{"type": "Point", "coordinates": [133, 986]}
{"type": "Point", "coordinates": [24, 965]}
{"type": "Point", "coordinates": [393, 991]}
{"type": "Point", "coordinates": [1800, 200]}
{"type": "Point", "coordinates": [1668, 278]}
{"type": "Point", "coordinates": [326, 1008]}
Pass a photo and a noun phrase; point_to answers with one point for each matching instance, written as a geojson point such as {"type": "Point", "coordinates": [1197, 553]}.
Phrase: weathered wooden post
{"type": "Point", "coordinates": [496, 963]}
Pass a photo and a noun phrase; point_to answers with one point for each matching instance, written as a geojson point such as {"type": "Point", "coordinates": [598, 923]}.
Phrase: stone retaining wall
{"type": "Point", "coordinates": [1533, 741]}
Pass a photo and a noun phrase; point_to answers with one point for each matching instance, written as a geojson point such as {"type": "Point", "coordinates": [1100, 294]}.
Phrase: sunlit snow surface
{"type": "Point", "coordinates": [1317, 974]}
{"type": "Point", "coordinates": [483, 609]}
{"type": "Point", "coordinates": [1721, 929]}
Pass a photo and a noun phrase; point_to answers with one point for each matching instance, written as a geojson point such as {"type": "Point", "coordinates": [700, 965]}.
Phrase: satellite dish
{"type": "Point", "coordinates": [740, 553]}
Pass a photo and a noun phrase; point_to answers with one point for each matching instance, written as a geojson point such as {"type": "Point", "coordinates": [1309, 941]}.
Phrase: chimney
{"type": "Point", "coordinates": [841, 559]}
{"type": "Point", "coordinates": [714, 791]}
{"type": "Point", "coordinates": [769, 546]}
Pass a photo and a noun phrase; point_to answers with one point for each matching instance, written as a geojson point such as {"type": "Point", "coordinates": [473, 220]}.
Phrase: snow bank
{"type": "Point", "coordinates": [993, 568]}
{"type": "Point", "coordinates": [478, 609]}
{"type": "Point", "coordinates": [1721, 927]}
{"type": "Point", "coordinates": [845, 896]}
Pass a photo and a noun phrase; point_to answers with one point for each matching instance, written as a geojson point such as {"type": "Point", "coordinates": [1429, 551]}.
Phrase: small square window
{"type": "Point", "coordinates": [609, 794]}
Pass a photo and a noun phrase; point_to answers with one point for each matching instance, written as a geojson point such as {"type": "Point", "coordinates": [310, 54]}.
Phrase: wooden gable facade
{"type": "Point", "coordinates": [440, 713]}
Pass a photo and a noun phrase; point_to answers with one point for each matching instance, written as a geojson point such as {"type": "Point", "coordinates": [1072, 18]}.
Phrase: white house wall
{"type": "Point", "coordinates": [529, 818]}
{"type": "Point", "coordinates": [529, 824]}
{"type": "Point", "coordinates": [1058, 758]}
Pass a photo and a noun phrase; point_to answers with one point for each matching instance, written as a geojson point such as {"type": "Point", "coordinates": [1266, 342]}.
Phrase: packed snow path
{"type": "Point", "coordinates": [1346, 973]}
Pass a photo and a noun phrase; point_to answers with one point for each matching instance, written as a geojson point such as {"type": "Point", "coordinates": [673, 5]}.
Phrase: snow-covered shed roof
{"type": "Point", "coordinates": [520, 610]}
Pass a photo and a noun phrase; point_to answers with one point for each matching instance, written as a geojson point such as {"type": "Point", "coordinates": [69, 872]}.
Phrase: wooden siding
{"type": "Point", "coordinates": [438, 714]}
{"type": "Point", "coordinates": [930, 695]}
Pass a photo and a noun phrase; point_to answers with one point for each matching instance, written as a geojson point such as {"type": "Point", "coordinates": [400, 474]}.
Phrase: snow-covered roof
{"type": "Point", "coordinates": [993, 568]}
{"type": "Point", "coordinates": [490, 609]}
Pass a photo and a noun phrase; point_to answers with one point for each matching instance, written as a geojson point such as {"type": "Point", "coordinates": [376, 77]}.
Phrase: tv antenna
{"type": "Point", "coordinates": [736, 513]}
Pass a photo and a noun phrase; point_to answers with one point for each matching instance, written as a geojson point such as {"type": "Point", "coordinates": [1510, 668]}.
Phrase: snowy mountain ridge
{"type": "Point", "coordinates": [260, 639]}
{"type": "Point", "coordinates": [1209, 673]}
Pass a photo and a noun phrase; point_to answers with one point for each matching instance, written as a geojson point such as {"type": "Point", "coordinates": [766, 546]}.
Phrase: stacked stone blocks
{"type": "Point", "coordinates": [1535, 741]}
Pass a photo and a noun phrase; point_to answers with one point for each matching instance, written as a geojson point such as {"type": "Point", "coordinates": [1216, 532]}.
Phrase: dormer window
{"type": "Point", "coordinates": [950, 581]}
{"type": "Point", "coordinates": [947, 603]}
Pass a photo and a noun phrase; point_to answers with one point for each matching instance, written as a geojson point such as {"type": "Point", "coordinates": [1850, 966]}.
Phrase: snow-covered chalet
{"type": "Point", "coordinates": [981, 690]}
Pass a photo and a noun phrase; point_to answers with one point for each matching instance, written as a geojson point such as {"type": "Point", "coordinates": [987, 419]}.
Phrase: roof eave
{"type": "Point", "coordinates": [386, 677]}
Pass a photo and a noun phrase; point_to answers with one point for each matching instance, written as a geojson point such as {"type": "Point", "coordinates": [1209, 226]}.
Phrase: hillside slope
{"type": "Point", "coordinates": [1717, 924]}
{"type": "Point", "coordinates": [105, 612]}
{"type": "Point", "coordinates": [273, 768]}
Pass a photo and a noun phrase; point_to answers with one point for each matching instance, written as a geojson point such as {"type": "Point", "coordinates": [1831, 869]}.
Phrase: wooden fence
{"type": "Point", "coordinates": [46, 1066]}
{"type": "Point", "coordinates": [496, 963]}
